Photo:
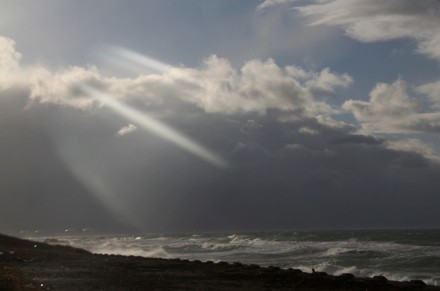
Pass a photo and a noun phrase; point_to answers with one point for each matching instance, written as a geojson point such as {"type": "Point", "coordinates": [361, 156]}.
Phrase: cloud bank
{"type": "Point", "coordinates": [293, 163]}
{"type": "Point", "coordinates": [216, 87]}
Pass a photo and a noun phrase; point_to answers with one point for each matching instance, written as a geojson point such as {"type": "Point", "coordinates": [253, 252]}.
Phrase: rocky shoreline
{"type": "Point", "coordinates": [28, 265]}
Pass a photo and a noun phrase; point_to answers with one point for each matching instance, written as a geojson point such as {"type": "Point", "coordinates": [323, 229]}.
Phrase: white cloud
{"type": "Point", "coordinates": [376, 20]}
{"type": "Point", "coordinates": [308, 131]}
{"type": "Point", "coordinates": [9, 58]}
{"type": "Point", "coordinates": [257, 87]}
{"type": "Point", "coordinates": [412, 145]}
{"type": "Point", "coordinates": [216, 87]}
{"type": "Point", "coordinates": [60, 87]}
{"type": "Point", "coordinates": [324, 82]}
{"type": "Point", "coordinates": [391, 110]}
{"type": "Point", "coordinates": [126, 130]}
{"type": "Point", "coordinates": [9, 62]}
{"type": "Point", "coordinates": [432, 90]}
{"type": "Point", "coordinates": [387, 102]}
{"type": "Point", "coordinates": [320, 83]}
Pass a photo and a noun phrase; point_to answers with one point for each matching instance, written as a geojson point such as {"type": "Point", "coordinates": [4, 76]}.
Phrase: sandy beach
{"type": "Point", "coordinates": [28, 265]}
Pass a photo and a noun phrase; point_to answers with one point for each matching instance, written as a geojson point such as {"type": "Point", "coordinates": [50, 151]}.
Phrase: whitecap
{"type": "Point", "coordinates": [158, 252]}
{"type": "Point", "coordinates": [332, 252]}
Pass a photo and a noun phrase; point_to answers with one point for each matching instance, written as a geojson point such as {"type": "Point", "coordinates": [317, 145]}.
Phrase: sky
{"type": "Point", "coordinates": [176, 116]}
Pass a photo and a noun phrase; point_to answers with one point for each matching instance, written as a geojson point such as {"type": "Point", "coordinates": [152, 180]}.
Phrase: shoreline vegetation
{"type": "Point", "coordinates": [27, 265]}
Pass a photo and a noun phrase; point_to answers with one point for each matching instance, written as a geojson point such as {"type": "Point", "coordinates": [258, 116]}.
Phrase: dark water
{"type": "Point", "coordinates": [396, 254]}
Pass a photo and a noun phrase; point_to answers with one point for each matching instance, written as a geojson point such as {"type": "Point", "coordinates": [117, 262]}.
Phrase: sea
{"type": "Point", "coordinates": [399, 255]}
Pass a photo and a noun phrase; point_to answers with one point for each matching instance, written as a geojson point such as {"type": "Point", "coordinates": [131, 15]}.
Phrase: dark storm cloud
{"type": "Point", "coordinates": [357, 139]}
{"type": "Point", "coordinates": [291, 165]}
{"type": "Point", "coordinates": [280, 177]}
{"type": "Point", "coordinates": [37, 191]}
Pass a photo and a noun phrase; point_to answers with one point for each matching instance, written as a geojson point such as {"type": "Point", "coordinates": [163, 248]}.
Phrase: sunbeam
{"type": "Point", "coordinates": [152, 125]}
{"type": "Point", "coordinates": [131, 60]}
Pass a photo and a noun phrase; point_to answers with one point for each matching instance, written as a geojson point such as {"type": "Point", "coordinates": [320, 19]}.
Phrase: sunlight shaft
{"type": "Point", "coordinates": [156, 127]}
{"type": "Point", "coordinates": [126, 56]}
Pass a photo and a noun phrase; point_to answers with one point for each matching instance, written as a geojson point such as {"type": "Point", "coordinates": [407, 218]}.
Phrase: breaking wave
{"type": "Point", "coordinates": [397, 255]}
{"type": "Point", "coordinates": [158, 252]}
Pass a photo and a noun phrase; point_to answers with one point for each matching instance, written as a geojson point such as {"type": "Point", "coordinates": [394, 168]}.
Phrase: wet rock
{"type": "Point", "coordinates": [418, 282]}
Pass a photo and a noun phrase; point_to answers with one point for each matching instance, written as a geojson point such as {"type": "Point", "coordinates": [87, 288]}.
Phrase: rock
{"type": "Point", "coordinates": [347, 276]}
{"type": "Point", "coordinates": [380, 278]}
{"type": "Point", "coordinates": [418, 282]}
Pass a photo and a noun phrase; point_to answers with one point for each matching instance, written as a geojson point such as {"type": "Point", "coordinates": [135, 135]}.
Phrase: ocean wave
{"type": "Point", "coordinates": [331, 252]}
{"type": "Point", "coordinates": [336, 270]}
{"type": "Point", "coordinates": [55, 241]}
{"type": "Point", "coordinates": [217, 246]}
{"type": "Point", "coordinates": [158, 252]}
{"type": "Point", "coordinates": [335, 251]}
